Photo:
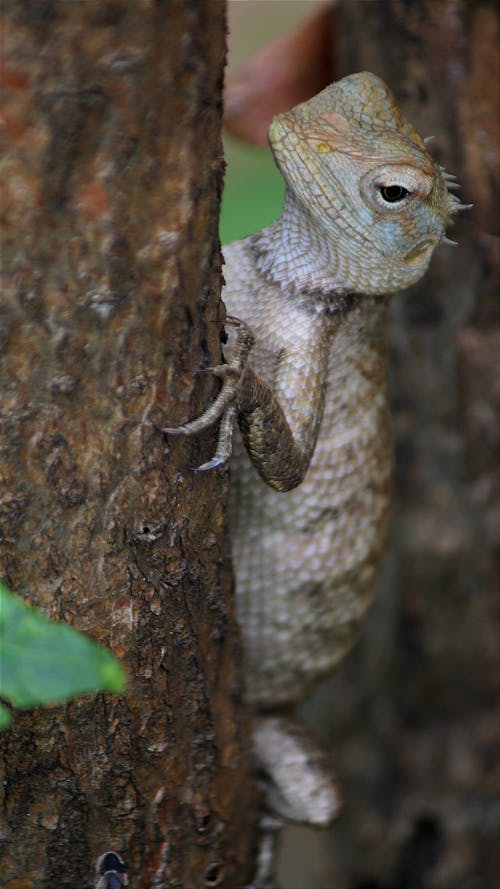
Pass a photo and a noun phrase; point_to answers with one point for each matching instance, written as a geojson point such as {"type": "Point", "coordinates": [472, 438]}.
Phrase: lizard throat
{"type": "Point", "coordinates": [295, 255]}
{"type": "Point", "coordinates": [317, 266]}
{"type": "Point", "coordinates": [317, 299]}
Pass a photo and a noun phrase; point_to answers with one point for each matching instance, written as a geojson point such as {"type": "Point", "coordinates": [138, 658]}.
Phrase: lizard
{"type": "Point", "coordinates": [365, 206]}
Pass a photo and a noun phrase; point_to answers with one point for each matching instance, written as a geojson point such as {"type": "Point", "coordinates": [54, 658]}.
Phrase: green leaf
{"type": "Point", "coordinates": [43, 662]}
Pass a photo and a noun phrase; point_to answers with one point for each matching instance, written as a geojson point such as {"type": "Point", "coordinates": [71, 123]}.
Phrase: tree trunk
{"type": "Point", "coordinates": [412, 713]}
{"type": "Point", "coordinates": [111, 277]}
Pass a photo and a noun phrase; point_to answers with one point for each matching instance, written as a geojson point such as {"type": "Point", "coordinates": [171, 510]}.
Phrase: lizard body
{"type": "Point", "coordinates": [365, 206]}
{"type": "Point", "coordinates": [305, 560]}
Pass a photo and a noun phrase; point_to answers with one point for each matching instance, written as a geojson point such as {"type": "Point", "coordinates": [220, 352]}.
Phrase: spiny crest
{"type": "Point", "coordinates": [454, 203]}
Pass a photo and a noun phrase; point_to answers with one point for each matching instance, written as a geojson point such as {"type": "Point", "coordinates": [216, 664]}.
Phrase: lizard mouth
{"type": "Point", "coordinates": [417, 251]}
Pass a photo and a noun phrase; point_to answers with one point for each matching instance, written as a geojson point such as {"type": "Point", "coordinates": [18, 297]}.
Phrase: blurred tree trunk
{"type": "Point", "coordinates": [412, 712]}
{"type": "Point", "coordinates": [112, 169]}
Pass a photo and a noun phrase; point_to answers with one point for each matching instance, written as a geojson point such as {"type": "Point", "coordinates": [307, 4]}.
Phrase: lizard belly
{"type": "Point", "coordinates": [305, 561]}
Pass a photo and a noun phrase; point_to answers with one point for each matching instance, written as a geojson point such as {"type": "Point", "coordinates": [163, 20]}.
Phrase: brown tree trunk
{"type": "Point", "coordinates": [412, 712]}
{"type": "Point", "coordinates": [111, 276]}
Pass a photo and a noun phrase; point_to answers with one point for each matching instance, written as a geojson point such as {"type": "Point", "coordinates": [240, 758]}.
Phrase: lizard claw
{"type": "Point", "coordinates": [225, 442]}
{"type": "Point", "coordinates": [171, 430]}
{"type": "Point", "coordinates": [214, 463]}
{"type": "Point", "coordinates": [233, 321]}
{"type": "Point", "coordinates": [223, 408]}
{"type": "Point", "coordinates": [213, 413]}
{"type": "Point", "coordinates": [223, 371]}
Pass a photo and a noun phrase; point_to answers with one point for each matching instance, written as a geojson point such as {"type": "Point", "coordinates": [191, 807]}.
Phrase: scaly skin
{"type": "Point", "coordinates": [305, 560]}
{"type": "Point", "coordinates": [365, 207]}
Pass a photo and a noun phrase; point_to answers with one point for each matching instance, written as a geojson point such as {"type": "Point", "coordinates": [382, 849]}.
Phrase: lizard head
{"type": "Point", "coordinates": [362, 174]}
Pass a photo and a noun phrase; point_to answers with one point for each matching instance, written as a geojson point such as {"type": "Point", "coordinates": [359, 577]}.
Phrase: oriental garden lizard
{"type": "Point", "coordinates": [305, 382]}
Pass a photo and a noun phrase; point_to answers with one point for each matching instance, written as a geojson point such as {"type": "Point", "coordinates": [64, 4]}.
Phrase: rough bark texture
{"type": "Point", "coordinates": [111, 275]}
{"type": "Point", "coordinates": [412, 713]}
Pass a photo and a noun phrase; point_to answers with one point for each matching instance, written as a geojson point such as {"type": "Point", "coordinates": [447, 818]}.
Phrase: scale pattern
{"type": "Point", "coordinates": [313, 287]}
{"type": "Point", "coordinates": [305, 560]}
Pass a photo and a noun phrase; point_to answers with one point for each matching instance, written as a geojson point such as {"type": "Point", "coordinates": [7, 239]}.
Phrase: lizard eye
{"type": "Point", "coordinates": [392, 188]}
{"type": "Point", "coordinates": [393, 193]}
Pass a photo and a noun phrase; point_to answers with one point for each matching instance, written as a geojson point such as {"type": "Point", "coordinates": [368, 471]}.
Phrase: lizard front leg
{"type": "Point", "coordinates": [279, 426]}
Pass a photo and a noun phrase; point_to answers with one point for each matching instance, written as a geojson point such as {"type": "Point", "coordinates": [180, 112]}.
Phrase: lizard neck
{"type": "Point", "coordinates": [298, 253]}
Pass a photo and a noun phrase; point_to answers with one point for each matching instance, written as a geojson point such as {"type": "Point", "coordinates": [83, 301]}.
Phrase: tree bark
{"type": "Point", "coordinates": [412, 712]}
{"type": "Point", "coordinates": [112, 169]}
